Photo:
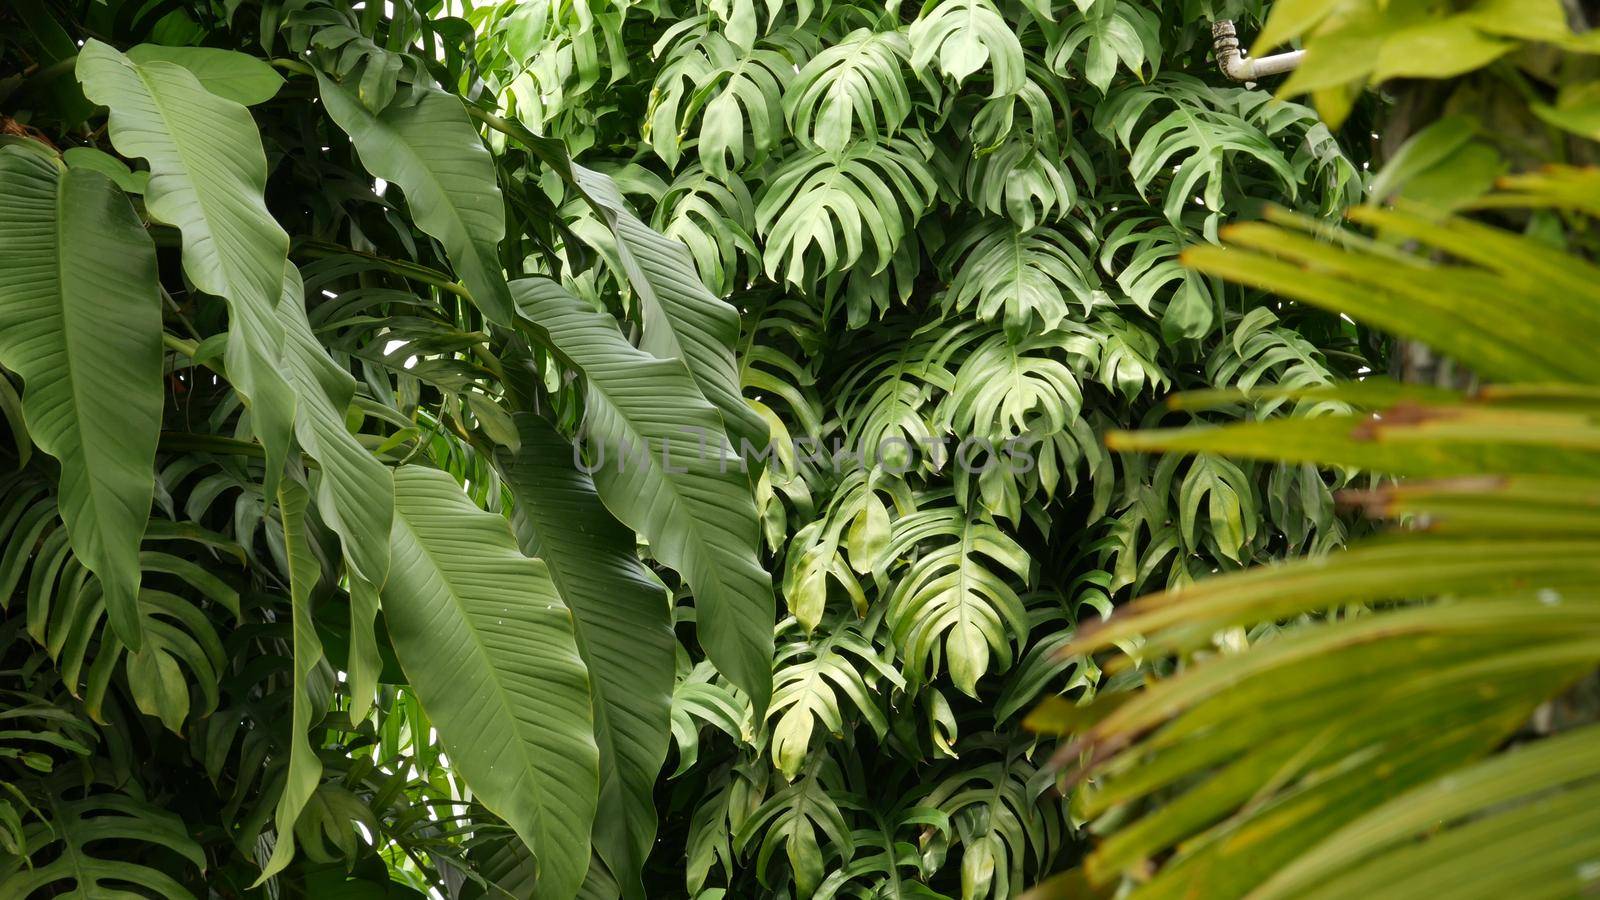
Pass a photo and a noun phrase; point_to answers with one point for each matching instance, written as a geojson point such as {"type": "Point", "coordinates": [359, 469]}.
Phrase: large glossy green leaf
{"type": "Point", "coordinates": [242, 78]}
{"type": "Point", "coordinates": [682, 318]}
{"type": "Point", "coordinates": [356, 492]}
{"type": "Point", "coordinates": [1032, 279]}
{"type": "Point", "coordinates": [489, 647]}
{"type": "Point", "coordinates": [856, 82]}
{"type": "Point", "coordinates": [80, 321]}
{"type": "Point", "coordinates": [1108, 33]}
{"type": "Point", "coordinates": [811, 676]}
{"type": "Point", "coordinates": [746, 111]}
{"type": "Point", "coordinates": [1198, 136]}
{"type": "Point", "coordinates": [313, 679]}
{"type": "Point", "coordinates": [207, 175]}
{"type": "Point", "coordinates": [624, 633]}
{"type": "Point", "coordinates": [663, 465]}
{"type": "Point", "coordinates": [432, 152]}
{"type": "Point", "coordinates": [824, 212]}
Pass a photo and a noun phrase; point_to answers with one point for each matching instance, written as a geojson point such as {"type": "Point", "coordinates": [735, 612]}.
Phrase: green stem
{"type": "Point", "coordinates": [172, 305]}
{"type": "Point", "coordinates": [179, 345]}
{"type": "Point", "coordinates": [189, 442]}
{"type": "Point", "coordinates": [293, 65]}
{"type": "Point", "coordinates": [549, 151]}
{"type": "Point", "coordinates": [56, 69]}
{"type": "Point", "coordinates": [413, 271]}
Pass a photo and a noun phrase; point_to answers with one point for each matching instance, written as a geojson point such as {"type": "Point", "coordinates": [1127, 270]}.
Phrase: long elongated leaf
{"type": "Point", "coordinates": [356, 492]}
{"type": "Point", "coordinates": [489, 648]}
{"type": "Point", "coordinates": [624, 633]}
{"type": "Point", "coordinates": [1493, 305]}
{"type": "Point", "coordinates": [80, 321]}
{"type": "Point", "coordinates": [1360, 751]}
{"type": "Point", "coordinates": [1384, 835]}
{"type": "Point", "coordinates": [432, 152]}
{"type": "Point", "coordinates": [313, 680]}
{"type": "Point", "coordinates": [207, 174]}
{"type": "Point", "coordinates": [682, 318]}
{"type": "Point", "coordinates": [665, 469]}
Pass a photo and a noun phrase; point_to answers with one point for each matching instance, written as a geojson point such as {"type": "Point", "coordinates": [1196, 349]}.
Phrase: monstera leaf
{"type": "Point", "coordinates": [738, 96]}
{"type": "Point", "coordinates": [855, 85]}
{"type": "Point", "coordinates": [964, 36]}
{"type": "Point", "coordinates": [72, 825]}
{"type": "Point", "coordinates": [1024, 278]}
{"type": "Point", "coordinates": [821, 209]}
{"type": "Point", "coordinates": [799, 818]}
{"type": "Point", "coordinates": [956, 596]}
{"type": "Point", "coordinates": [1197, 139]}
{"type": "Point", "coordinates": [810, 677]}
{"type": "Point", "coordinates": [1108, 32]}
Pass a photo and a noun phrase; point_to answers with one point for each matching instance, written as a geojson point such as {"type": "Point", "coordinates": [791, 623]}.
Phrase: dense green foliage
{"type": "Point", "coordinates": [949, 229]}
{"type": "Point", "coordinates": [372, 466]}
{"type": "Point", "coordinates": [303, 585]}
{"type": "Point", "coordinates": [958, 224]}
{"type": "Point", "coordinates": [1429, 727]}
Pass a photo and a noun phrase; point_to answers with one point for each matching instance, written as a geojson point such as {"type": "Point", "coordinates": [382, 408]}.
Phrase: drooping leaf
{"type": "Point", "coordinates": [355, 493]}
{"type": "Point", "coordinates": [490, 649]}
{"type": "Point", "coordinates": [682, 318]}
{"type": "Point", "coordinates": [624, 633]}
{"type": "Point", "coordinates": [663, 466]}
{"type": "Point", "coordinates": [80, 321]}
{"type": "Point", "coordinates": [313, 679]}
{"type": "Point", "coordinates": [431, 151]}
{"type": "Point", "coordinates": [207, 174]}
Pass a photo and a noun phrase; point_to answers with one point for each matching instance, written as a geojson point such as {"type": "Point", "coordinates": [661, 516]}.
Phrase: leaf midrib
{"type": "Point", "coordinates": [529, 771]}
